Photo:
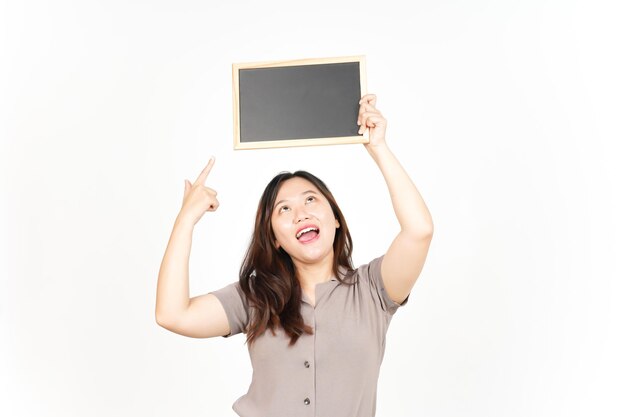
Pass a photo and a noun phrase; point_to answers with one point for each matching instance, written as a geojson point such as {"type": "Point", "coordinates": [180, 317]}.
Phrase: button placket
{"type": "Point", "coordinates": [310, 318]}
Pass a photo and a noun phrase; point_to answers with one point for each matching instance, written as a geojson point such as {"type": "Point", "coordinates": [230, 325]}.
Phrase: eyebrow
{"type": "Point", "coordinates": [282, 201]}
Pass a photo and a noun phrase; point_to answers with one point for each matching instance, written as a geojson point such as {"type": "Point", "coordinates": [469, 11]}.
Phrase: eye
{"type": "Point", "coordinates": [282, 209]}
{"type": "Point", "coordinates": [310, 199]}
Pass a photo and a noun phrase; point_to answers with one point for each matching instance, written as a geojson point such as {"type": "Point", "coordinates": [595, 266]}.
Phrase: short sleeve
{"type": "Point", "coordinates": [375, 277]}
{"type": "Point", "coordinates": [234, 302]}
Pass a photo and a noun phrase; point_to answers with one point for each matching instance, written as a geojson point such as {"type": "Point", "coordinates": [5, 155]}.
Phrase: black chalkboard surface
{"type": "Point", "coordinates": [298, 103]}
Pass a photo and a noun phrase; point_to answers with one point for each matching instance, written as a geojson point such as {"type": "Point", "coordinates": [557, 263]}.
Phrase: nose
{"type": "Point", "coordinates": [300, 214]}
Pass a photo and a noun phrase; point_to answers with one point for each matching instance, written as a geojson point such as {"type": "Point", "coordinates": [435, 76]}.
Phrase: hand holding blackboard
{"type": "Point", "coordinates": [370, 118]}
{"type": "Point", "coordinates": [297, 103]}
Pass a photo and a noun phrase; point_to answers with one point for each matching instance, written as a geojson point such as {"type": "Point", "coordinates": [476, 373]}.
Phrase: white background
{"type": "Point", "coordinates": [508, 115]}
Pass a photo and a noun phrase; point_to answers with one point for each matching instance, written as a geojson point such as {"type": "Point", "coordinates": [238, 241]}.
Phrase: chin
{"type": "Point", "coordinates": [312, 258]}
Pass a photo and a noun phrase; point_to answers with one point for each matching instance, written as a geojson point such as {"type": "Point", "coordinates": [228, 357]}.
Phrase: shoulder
{"type": "Point", "coordinates": [362, 272]}
{"type": "Point", "coordinates": [229, 291]}
{"type": "Point", "coordinates": [367, 271]}
{"type": "Point", "coordinates": [370, 274]}
{"type": "Point", "coordinates": [235, 305]}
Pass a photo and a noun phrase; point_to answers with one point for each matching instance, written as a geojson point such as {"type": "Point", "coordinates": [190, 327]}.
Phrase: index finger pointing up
{"type": "Point", "coordinates": [369, 99]}
{"type": "Point", "coordinates": [205, 172]}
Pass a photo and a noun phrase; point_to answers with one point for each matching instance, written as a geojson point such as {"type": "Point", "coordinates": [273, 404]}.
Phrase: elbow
{"type": "Point", "coordinates": [428, 231]}
{"type": "Point", "coordinates": [428, 228]}
{"type": "Point", "coordinates": [424, 238]}
{"type": "Point", "coordinates": [422, 232]}
{"type": "Point", "coordinates": [162, 320]}
{"type": "Point", "coordinates": [159, 319]}
{"type": "Point", "coordinates": [167, 316]}
{"type": "Point", "coordinates": [418, 227]}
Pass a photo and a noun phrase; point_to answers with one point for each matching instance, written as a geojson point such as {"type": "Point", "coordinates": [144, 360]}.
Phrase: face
{"type": "Point", "coordinates": [303, 222]}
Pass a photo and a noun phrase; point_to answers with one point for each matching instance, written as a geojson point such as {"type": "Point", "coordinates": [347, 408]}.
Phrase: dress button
{"type": "Point", "coordinates": [306, 364]}
{"type": "Point", "coordinates": [307, 401]}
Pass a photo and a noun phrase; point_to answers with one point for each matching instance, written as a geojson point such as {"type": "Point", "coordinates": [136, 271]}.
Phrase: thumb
{"type": "Point", "coordinates": [187, 188]}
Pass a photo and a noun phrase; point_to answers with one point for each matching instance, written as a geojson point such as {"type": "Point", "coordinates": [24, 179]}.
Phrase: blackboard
{"type": "Point", "coordinates": [298, 102]}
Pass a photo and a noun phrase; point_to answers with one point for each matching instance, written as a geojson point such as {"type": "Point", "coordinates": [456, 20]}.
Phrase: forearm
{"type": "Point", "coordinates": [173, 282]}
{"type": "Point", "coordinates": [408, 205]}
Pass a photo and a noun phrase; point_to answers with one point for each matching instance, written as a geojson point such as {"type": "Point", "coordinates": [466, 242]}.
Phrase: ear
{"type": "Point", "coordinates": [337, 225]}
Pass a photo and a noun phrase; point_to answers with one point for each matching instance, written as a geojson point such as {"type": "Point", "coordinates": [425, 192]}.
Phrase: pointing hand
{"type": "Point", "coordinates": [198, 198]}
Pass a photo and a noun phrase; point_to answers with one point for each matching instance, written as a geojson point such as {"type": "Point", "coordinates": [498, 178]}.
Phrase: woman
{"type": "Point", "coordinates": [315, 325]}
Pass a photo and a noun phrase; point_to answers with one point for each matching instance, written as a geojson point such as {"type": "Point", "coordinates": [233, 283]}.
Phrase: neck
{"type": "Point", "coordinates": [310, 275]}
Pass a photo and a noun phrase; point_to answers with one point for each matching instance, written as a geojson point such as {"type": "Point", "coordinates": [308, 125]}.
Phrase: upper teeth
{"type": "Point", "coordinates": [303, 231]}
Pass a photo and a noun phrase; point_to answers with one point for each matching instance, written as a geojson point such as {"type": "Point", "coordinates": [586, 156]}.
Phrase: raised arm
{"type": "Point", "coordinates": [201, 316]}
{"type": "Point", "coordinates": [406, 255]}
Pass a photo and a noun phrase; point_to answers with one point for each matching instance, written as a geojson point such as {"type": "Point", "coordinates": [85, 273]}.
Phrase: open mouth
{"type": "Point", "coordinates": [307, 234]}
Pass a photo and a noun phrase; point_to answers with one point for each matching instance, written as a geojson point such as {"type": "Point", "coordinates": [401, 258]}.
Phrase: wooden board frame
{"type": "Point", "coordinates": [236, 67]}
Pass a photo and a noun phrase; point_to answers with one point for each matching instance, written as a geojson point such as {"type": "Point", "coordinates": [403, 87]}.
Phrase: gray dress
{"type": "Point", "coordinates": [334, 371]}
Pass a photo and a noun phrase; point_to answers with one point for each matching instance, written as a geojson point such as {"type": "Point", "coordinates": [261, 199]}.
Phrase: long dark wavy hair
{"type": "Point", "coordinates": [268, 276]}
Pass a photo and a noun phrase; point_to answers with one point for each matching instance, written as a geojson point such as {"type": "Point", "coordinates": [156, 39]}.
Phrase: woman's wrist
{"type": "Point", "coordinates": [378, 151]}
{"type": "Point", "coordinates": [183, 222]}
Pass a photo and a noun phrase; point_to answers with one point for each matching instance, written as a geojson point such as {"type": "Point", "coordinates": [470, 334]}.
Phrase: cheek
{"type": "Point", "coordinates": [329, 216]}
{"type": "Point", "coordinates": [279, 231]}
